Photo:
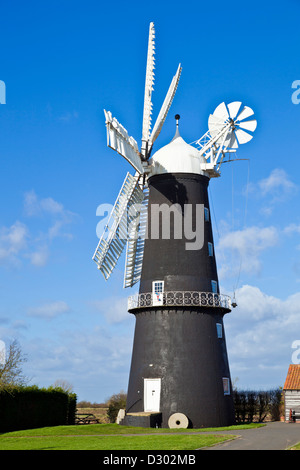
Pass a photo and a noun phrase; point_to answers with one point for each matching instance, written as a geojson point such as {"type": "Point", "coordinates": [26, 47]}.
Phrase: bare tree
{"type": "Point", "coordinates": [11, 361]}
{"type": "Point", "coordinates": [64, 385]}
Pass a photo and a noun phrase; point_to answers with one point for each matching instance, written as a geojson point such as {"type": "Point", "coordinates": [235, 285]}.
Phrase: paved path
{"type": "Point", "coordinates": [273, 436]}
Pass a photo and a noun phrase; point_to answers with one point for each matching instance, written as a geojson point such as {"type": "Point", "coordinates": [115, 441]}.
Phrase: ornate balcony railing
{"type": "Point", "coordinates": [179, 299]}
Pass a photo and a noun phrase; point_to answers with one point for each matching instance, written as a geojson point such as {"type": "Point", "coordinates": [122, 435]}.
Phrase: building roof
{"type": "Point", "coordinates": [177, 157]}
{"type": "Point", "coordinates": [292, 381]}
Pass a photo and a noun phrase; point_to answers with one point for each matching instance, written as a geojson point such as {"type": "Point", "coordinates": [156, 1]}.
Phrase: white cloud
{"type": "Point", "coordinates": [261, 332]}
{"type": "Point", "coordinates": [257, 305]}
{"type": "Point", "coordinates": [34, 206]}
{"type": "Point", "coordinates": [114, 309]}
{"type": "Point", "coordinates": [292, 228]}
{"type": "Point", "coordinates": [247, 246]}
{"type": "Point", "coordinates": [19, 240]}
{"type": "Point", "coordinates": [19, 325]}
{"type": "Point", "coordinates": [277, 184]}
{"type": "Point", "coordinates": [275, 188]}
{"type": "Point", "coordinates": [56, 230]}
{"type": "Point", "coordinates": [13, 240]}
{"type": "Point", "coordinates": [22, 241]}
{"type": "Point", "coordinates": [49, 310]}
{"type": "Point", "coordinates": [95, 361]}
{"type": "Point", "coordinates": [39, 257]}
{"type": "Point", "coordinates": [59, 217]}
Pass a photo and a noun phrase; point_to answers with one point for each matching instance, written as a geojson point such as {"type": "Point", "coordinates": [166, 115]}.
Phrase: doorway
{"type": "Point", "coordinates": [152, 394]}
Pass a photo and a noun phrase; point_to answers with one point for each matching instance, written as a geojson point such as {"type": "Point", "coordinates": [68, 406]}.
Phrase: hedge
{"type": "Point", "coordinates": [32, 407]}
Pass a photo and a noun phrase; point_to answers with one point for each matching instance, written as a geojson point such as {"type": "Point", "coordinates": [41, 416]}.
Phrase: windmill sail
{"type": "Point", "coordinates": [135, 245]}
{"type": "Point", "coordinates": [221, 117]}
{"type": "Point", "coordinates": [227, 130]}
{"type": "Point", "coordinates": [114, 238]}
{"type": "Point", "coordinates": [148, 90]}
{"type": "Point", "coordinates": [118, 139]}
{"type": "Point", "coordinates": [165, 107]}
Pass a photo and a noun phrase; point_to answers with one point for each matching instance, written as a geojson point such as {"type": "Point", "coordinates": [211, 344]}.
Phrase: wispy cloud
{"type": "Point", "coordinates": [13, 240]}
{"type": "Point", "coordinates": [35, 206]}
{"type": "Point", "coordinates": [22, 241]}
{"type": "Point", "coordinates": [274, 189]}
{"type": "Point", "coordinates": [247, 247]}
{"type": "Point", "coordinates": [68, 116]}
{"type": "Point", "coordinates": [277, 184]}
{"type": "Point", "coordinates": [113, 309]}
{"type": "Point", "coordinates": [39, 257]}
{"type": "Point", "coordinates": [292, 228]}
{"type": "Point", "coordinates": [49, 310]}
{"type": "Point", "coordinates": [55, 212]}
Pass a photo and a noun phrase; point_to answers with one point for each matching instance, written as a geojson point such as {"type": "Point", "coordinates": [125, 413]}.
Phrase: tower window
{"type": "Point", "coordinates": [206, 214]}
{"type": "Point", "coordinates": [219, 330]}
{"type": "Point", "coordinates": [226, 386]}
{"type": "Point", "coordinates": [158, 287]}
{"type": "Point", "coordinates": [210, 249]}
{"type": "Point", "coordinates": [157, 293]}
{"type": "Point", "coordinates": [214, 287]}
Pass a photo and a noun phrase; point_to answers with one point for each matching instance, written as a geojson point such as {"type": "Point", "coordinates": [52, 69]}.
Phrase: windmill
{"type": "Point", "coordinates": [179, 372]}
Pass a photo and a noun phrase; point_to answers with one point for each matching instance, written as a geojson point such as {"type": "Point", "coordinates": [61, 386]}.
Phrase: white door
{"type": "Point", "coordinates": [152, 394]}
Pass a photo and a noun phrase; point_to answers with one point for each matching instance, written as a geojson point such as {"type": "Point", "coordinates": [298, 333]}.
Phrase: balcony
{"type": "Point", "coordinates": [179, 299]}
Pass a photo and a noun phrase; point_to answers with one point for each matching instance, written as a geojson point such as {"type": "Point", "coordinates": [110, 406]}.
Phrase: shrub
{"type": "Point", "coordinates": [115, 403]}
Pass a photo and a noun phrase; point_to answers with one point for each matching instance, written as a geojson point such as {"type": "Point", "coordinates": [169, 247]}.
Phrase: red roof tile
{"type": "Point", "coordinates": [292, 381]}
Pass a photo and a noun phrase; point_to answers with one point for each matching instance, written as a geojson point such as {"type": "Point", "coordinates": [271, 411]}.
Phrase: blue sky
{"type": "Point", "coordinates": [63, 63]}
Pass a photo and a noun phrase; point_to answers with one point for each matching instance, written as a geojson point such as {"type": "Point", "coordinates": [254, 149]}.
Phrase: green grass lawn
{"type": "Point", "coordinates": [88, 442]}
{"type": "Point", "coordinates": [112, 437]}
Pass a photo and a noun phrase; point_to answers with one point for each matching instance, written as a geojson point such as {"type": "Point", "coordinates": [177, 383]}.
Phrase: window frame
{"type": "Point", "coordinates": [206, 214]}
{"type": "Point", "coordinates": [219, 327]}
{"type": "Point", "coordinates": [214, 286]}
{"type": "Point", "coordinates": [160, 291]}
{"type": "Point", "coordinates": [226, 385]}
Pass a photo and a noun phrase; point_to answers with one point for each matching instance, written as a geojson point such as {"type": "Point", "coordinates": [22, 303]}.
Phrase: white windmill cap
{"type": "Point", "coordinates": [177, 157]}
